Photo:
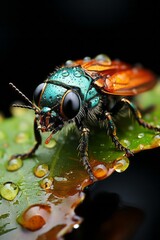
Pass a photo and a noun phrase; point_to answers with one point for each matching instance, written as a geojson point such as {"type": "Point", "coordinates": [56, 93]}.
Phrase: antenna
{"type": "Point", "coordinates": [33, 106]}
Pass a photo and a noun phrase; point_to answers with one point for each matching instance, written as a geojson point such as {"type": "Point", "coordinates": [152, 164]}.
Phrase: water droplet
{"type": "Point", "coordinates": [76, 226]}
{"type": "Point", "coordinates": [14, 164]}
{"type": "Point", "coordinates": [121, 164]}
{"type": "Point", "coordinates": [51, 144]}
{"type": "Point", "coordinates": [140, 135]}
{"type": "Point", "coordinates": [9, 191]}
{"type": "Point", "coordinates": [125, 142]}
{"type": "Point", "coordinates": [47, 183]}
{"type": "Point", "coordinates": [77, 73]}
{"type": "Point", "coordinates": [86, 59]}
{"type": "Point", "coordinates": [103, 57]}
{"type": "Point", "coordinates": [68, 63]}
{"type": "Point", "coordinates": [21, 138]}
{"type": "Point", "coordinates": [35, 217]}
{"type": "Point", "coordinates": [141, 146]}
{"type": "Point", "coordinates": [60, 179]}
{"type": "Point", "coordinates": [65, 73]}
{"type": "Point", "coordinates": [41, 170]}
{"type": "Point", "coordinates": [100, 171]}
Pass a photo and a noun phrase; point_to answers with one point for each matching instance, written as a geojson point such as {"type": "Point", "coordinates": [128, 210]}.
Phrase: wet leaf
{"type": "Point", "coordinates": [45, 190]}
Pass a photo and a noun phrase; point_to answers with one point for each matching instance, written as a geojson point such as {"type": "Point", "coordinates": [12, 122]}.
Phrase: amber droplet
{"type": "Point", "coordinates": [121, 164]}
{"type": "Point", "coordinates": [9, 191]}
{"type": "Point", "coordinates": [47, 183]}
{"type": "Point", "coordinates": [41, 170]}
{"type": "Point", "coordinates": [14, 164]}
{"type": "Point", "coordinates": [34, 217]}
{"type": "Point", "coordinates": [51, 144]}
{"type": "Point", "coordinates": [100, 171]}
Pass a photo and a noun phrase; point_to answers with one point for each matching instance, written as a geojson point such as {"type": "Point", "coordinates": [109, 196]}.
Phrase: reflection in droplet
{"type": "Point", "coordinates": [51, 144]}
{"type": "Point", "coordinates": [100, 171]}
{"type": "Point", "coordinates": [9, 191]}
{"type": "Point", "coordinates": [60, 179]}
{"type": "Point", "coordinates": [68, 63]}
{"type": "Point", "coordinates": [103, 57]}
{"type": "Point", "coordinates": [76, 226]}
{"type": "Point", "coordinates": [86, 59]}
{"type": "Point", "coordinates": [121, 164]}
{"type": "Point", "coordinates": [14, 164]}
{"type": "Point", "coordinates": [77, 73]}
{"type": "Point", "coordinates": [65, 73]}
{"type": "Point", "coordinates": [140, 135]}
{"type": "Point", "coordinates": [47, 183]}
{"type": "Point", "coordinates": [35, 217]}
{"type": "Point", "coordinates": [41, 170]}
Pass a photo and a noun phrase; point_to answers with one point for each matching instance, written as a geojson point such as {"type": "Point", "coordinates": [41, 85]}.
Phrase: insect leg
{"type": "Point", "coordinates": [83, 151]}
{"type": "Point", "coordinates": [35, 147]}
{"type": "Point", "coordinates": [135, 111]}
{"type": "Point", "coordinates": [113, 135]}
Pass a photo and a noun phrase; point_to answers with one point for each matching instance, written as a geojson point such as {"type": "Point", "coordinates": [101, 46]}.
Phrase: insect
{"type": "Point", "coordinates": [87, 90]}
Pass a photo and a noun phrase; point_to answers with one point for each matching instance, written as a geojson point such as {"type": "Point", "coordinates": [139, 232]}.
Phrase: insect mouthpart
{"type": "Point", "coordinates": [48, 120]}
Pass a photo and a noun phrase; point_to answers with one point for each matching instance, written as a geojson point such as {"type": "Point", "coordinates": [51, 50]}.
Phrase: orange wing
{"type": "Point", "coordinates": [118, 78]}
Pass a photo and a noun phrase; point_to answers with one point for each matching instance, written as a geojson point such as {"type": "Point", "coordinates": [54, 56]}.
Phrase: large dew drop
{"type": "Point", "coordinates": [121, 164]}
{"type": "Point", "coordinates": [9, 191]}
{"type": "Point", "coordinates": [34, 217]}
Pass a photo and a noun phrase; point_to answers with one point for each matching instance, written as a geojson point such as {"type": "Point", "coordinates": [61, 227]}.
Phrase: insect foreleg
{"type": "Point", "coordinates": [112, 132]}
{"type": "Point", "coordinates": [83, 151]}
{"type": "Point", "coordinates": [35, 147]}
{"type": "Point", "coordinates": [135, 111]}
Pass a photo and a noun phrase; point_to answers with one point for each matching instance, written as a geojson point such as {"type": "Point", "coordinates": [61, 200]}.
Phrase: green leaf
{"type": "Point", "coordinates": [44, 200]}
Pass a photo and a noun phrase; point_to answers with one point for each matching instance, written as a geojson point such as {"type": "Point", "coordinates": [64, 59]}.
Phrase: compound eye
{"type": "Point", "coordinates": [70, 104]}
{"type": "Point", "coordinates": [37, 93]}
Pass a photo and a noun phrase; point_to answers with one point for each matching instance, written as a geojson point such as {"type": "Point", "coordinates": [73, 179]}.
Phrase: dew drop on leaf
{"type": "Point", "coordinates": [34, 217]}
{"type": "Point", "coordinates": [121, 164]}
{"type": "Point", "coordinates": [100, 171]}
{"type": "Point", "coordinates": [51, 144]}
{"type": "Point", "coordinates": [41, 170]}
{"type": "Point", "coordinates": [9, 191]}
{"type": "Point", "coordinates": [140, 135]}
{"type": "Point", "coordinates": [14, 164]}
{"type": "Point", "coordinates": [125, 142]}
{"type": "Point", "coordinates": [47, 183]}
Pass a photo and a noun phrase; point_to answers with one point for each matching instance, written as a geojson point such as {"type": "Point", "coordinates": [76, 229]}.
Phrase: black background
{"type": "Point", "coordinates": [37, 36]}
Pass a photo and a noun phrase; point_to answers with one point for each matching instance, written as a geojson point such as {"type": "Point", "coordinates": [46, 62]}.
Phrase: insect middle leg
{"type": "Point", "coordinates": [113, 134]}
{"type": "Point", "coordinates": [35, 147]}
{"type": "Point", "coordinates": [83, 151]}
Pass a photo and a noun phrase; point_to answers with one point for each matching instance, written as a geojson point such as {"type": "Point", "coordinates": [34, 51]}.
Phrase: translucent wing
{"type": "Point", "coordinates": [118, 78]}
